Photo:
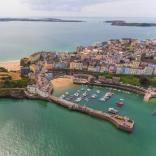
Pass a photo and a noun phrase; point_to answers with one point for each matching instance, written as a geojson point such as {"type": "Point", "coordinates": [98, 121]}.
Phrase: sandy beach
{"type": "Point", "coordinates": [62, 83]}
{"type": "Point", "coordinates": [11, 65]}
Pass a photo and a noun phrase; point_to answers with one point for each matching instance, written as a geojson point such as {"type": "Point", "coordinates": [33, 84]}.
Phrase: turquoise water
{"type": "Point", "coordinates": [19, 39]}
{"type": "Point", "coordinates": [40, 128]}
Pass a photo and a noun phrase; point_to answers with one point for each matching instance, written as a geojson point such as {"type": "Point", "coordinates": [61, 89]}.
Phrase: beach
{"type": "Point", "coordinates": [11, 65]}
{"type": "Point", "coordinates": [62, 83]}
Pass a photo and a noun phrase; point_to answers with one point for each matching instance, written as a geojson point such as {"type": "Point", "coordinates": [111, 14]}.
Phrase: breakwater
{"type": "Point", "coordinates": [122, 123]}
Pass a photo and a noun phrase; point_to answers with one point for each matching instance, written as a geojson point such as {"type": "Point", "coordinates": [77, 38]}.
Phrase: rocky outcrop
{"type": "Point", "coordinates": [17, 93]}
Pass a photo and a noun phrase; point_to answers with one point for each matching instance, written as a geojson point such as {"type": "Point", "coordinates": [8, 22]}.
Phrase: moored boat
{"type": "Point", "coordinates": [112, 110]}
{"type": "Point", "coordinates": [67, 93]}
{"type": "Point", "coordinates": [103, 99]}
{"type": "Point", "coordinates": [84, 94]}
{"type": "Point", "coordinates": [62, 96]}
{"type": "Point", "coordinates": [119, 103]}
{"type": "Point", "coordinates": [78, 99]}
{"type": "Point", "coordinates": [76, 94]}
{"type": "Point", "coordinates": [154, 113]}
{"type": "Point", "coordinates": [94, 96]}
{"type": "Point", "coordinates": [88, 89]}
{"type": "Point", "coordinates": [98, 91]}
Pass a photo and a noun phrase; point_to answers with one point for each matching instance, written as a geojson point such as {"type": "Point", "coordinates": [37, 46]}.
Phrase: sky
{"type": "Point", "coordinates": [86, 8]}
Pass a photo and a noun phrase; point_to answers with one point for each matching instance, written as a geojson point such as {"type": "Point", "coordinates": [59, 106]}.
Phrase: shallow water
{"type": "Point", "coordinates": [40, 128]}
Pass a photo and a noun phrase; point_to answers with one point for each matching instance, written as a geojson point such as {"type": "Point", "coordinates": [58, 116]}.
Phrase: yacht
{"type": "Point", "coordinates": [98, 91]}
{"type": "Point", "coordinates": [67, 93]}
{"type": "Point", "coordinates": [84, 94]}
{"type": "Point", "coordinates": [62, 96]}
{"type": "Point", "coordinates": [103, 99]}
{"type": "Point", "coordinates": [94, 96]}
{"type": "Point", "coordinates": [78, 99]}
{"type": "Point", "coordinates": [112, 110]}
{"type": "Point", "coordinates": [119, 103]}
{"type": "Point", "coordinates": [154, 113]}
{"type": "Point", "coordinates": [109, 94]}
{"type": "Point", "coordinates": [76, 94]}
{"type": "Point", "coordinates": [82, 88]}
{"type": "Point", "coordinates": [88, 89]}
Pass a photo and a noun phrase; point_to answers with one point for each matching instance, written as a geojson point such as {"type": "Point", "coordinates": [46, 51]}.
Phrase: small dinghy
{"type": "Point", "coordinates": [154, 113]}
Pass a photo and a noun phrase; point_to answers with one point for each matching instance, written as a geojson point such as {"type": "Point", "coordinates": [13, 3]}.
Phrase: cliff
{"type": "Point", "coordinates": [17, 93]}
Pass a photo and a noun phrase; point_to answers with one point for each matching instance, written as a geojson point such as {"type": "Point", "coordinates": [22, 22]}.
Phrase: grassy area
{"type": "Point", "coordinates": [134, 80]}
{"type": "Point", "coordinates": [152, 81]}
{"type": "Point", "coordinates": [22, 83]}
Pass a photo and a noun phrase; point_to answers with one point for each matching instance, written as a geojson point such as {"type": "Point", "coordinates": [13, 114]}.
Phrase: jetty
{"type": "Point", "coordinates": [123, 123]}
{"type": "Point", "coordinates": [150, 93]}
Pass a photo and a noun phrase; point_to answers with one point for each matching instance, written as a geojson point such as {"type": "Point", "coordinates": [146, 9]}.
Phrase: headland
{"type": "Point", "coordinates": [122, 64]}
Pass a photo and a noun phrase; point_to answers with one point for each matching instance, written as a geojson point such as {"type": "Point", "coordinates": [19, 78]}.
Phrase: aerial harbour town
{"type": "Point", "coordinates": [77, 77]}
{"type": "Point", "coordinates": [126, 64]}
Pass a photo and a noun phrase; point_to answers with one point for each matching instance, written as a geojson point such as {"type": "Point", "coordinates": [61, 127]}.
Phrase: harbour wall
{"type": "Point", "coordinates": [129, 88]}
{"type": "Point", "coordinates": [21, 93]}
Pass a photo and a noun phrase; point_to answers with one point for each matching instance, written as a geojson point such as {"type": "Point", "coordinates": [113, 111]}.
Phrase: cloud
{"type": "Point", "coordinates": [49, 8]}
{"type": "Point", "coordinates": [61, 5]}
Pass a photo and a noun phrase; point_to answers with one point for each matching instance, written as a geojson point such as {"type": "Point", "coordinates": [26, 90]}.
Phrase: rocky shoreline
{"type": "Point", "coordinates": [17, 93]}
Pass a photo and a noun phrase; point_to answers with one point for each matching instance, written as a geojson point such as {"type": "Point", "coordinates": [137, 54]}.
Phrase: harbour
{"type": "Point", "coordinates": [75, 124]}
{"type": "Point", "coordinates": [121, 122]}
{"type": "Point", "coordinates": [40, 127]}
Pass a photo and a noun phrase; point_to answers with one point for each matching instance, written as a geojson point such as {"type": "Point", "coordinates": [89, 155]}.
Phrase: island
{"type": "Point", "coordinates": [131, 24]}
{"type": "Point", "coordinates": [37, 20]}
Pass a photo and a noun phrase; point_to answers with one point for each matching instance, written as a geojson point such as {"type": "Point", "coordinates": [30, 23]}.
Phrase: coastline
{"type": "Point", "coordinates": [11, 65]}
{"type": "Point", "coordinates": [125, 124]}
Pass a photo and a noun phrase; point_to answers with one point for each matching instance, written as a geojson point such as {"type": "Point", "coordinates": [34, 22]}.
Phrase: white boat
{"type": "Point", "coordinates": [84, 94]}
{"type": "Point", "coordinates": [103, 99]}
{"type": "Point", "coordinates": [98, 91]}
{"type": "Point", "coordinates": [76, 94]}
{"type": "Point", "coordinates": [112, 110]}
{"type": "Point", "coordinates": [62, 96]}
{"type": "Point", "coordinates": [82, 88]}
{"type": "Point", "coordinates": [78, 99]}
{"type": "Point", "coordinates": [109, 94]}
{"type": "Point", "coordinates": [88, 89]}
{"type": "Point", "coordinates": [67, 93]}
{"type": "Point", "coordinates": [94, 96]}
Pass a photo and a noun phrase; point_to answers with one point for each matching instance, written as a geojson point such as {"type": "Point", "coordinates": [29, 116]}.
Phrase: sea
{"type": "Point", "coordinates": [39, 128]}
{"type": "Point", "coordinates": [20, 39]}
